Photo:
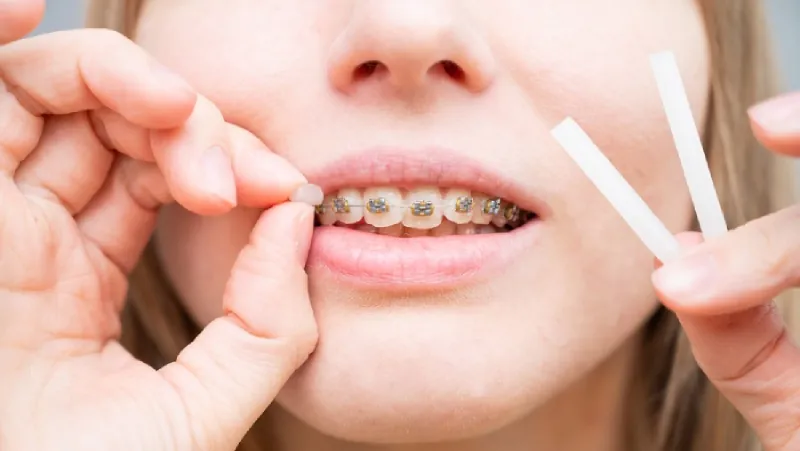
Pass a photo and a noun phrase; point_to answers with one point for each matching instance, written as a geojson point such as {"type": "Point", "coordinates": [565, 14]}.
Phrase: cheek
{"type": "Point", "coordinates": [197, 254]}
{"type": "Point", "coordinates": [252, 63]}
{"type": "Point", "coordinates": [595, 68]}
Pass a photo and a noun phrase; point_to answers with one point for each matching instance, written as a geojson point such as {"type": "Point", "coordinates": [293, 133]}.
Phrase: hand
{"type": "Point", "coordinates": [94, 137]}
{"type": "Point", "coordinates": [722, 292]}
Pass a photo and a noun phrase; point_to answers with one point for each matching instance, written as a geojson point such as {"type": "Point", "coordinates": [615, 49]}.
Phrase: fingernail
{"type": "Point", "coordinates": [305, 228]}
{"type": "Point", "coordinates": [168, 78]}
{"type": "Point", "coordinates": [778, 115]}
{"type": "Point", "coordinates": [690, 278]}
{"type": "Point", "coordinates": [218, 174]}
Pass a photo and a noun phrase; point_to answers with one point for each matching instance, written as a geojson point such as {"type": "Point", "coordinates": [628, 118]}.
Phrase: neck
{"type": "Point", "coordinates": [586, 417]}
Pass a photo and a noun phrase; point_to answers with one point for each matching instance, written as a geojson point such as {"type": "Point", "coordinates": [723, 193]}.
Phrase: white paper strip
{"type": "Point", "coordinates": [689, 145]}
{"type": "Point", "coordinates": [653, 233]}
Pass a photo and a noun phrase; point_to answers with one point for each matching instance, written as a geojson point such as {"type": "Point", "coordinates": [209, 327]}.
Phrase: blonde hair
{"type": "Point", "coordinates": [672, 406]}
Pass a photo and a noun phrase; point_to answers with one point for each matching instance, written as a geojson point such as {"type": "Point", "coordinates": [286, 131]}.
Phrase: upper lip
{"type": "Point", "coordinates": [427, 167]}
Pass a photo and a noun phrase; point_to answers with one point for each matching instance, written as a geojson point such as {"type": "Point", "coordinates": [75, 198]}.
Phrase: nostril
{"type": "Point", "coordinates": [367, 69]}
{"type": "Point", "coordinates": [453, 70]}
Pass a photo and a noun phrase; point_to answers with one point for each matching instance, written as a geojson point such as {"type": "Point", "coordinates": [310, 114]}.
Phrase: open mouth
{"type": "Point", "coordinates": [420, 212]}
{"type": "Point", "coordinates": [418, 220]}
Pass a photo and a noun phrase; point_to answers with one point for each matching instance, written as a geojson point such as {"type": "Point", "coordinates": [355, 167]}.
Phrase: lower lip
{"type": "Point", "coordinates": [371, 260]}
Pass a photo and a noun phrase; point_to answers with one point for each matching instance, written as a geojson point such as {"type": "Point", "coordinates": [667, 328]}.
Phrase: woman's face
{"type": "Point", "coordinates": [459, 333]}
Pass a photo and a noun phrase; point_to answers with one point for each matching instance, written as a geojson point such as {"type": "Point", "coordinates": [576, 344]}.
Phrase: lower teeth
{"type": "Point", "coordinates": [447, 228]}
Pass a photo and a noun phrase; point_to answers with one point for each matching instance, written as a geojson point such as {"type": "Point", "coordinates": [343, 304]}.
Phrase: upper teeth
{"type": "Point", "coordinates": [419, 208]}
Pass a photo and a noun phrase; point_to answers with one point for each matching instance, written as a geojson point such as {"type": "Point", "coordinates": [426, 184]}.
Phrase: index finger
{"type": "Point", "coordinates": [776, 123]}
{"type": "Point", "coordinates": [19, 17]}
{"type": "Point", "coordinates": [78, 70]}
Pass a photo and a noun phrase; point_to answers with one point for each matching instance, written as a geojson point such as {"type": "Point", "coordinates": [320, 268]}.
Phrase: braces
{"type": "Point", "coordinates": [422, 208]}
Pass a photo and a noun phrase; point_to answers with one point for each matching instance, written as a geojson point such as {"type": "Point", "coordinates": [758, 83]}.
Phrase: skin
{"type": "Point", "coordinates": [561, 351]}
{"type": "Point", "coordinates": [540, 333]}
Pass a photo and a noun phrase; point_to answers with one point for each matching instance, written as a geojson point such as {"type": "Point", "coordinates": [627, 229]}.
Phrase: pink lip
{"type": "Point", "coordinates": [384, 262]}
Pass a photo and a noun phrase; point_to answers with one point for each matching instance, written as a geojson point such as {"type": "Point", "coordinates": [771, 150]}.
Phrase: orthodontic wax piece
{"type": "Point", "coordinates": [689, 144]}
{"type": "Point", "coordinates": [593, 162]}
{"type": "Point", "coordinates": [308, 194]}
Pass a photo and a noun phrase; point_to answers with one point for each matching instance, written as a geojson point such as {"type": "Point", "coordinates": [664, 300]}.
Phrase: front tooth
{"type": "Point", "coordinates": [424, 208]}
{"type": "Point", "coordinates": [458, 206]}
{"type": "Point", "coordinates": [325, 212]}
{"type": "Point", "coordinates": [383, 206]}
{"type": "Point", "coordinates": [347, 206]}
{"type": "Point", "coordinates": [444, 229]}
{"type": "Point", "coordinates": [481, 211]}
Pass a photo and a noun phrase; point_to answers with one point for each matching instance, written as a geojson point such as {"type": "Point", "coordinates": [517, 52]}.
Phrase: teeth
{"type": "Point", "coordinates": [511, 213]}
{"type": "Point", "coordinates": [507, 212]}
{"type": "Point", "coordinates": [483, 208]}
{"type": "Point", "coordinates": [347, 206]}
{"type": "Point", "coordinates": [395, 230]}
{"type": "Point", "coordinates": [466, 229]}
{"type": "Point", "coordinates": [413, 233]}
{"type": "Point", "coordinates": [484, 229]}
{"type": "Point", "coordinates": [499, 221]}
{"type": "Point", "coordinates": [444, 229]}
{"type": "Point", "coordinates": [382, 206]}
{"type": "Point", "coordinates": [424, 208]}
{"type": "Point", "coordinates": [366, 228]}
{"type": "Point", "coordinates": [325, 212]}
{"type": "Point", "coordinates": [458, 206]}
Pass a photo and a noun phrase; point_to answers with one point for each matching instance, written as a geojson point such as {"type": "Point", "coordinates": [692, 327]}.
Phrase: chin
{"type": "Point", "coordinates": [445, 367]}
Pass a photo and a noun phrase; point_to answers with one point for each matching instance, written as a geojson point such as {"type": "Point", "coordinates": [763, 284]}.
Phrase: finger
{"type": "Point", "coordinates": [230, 164]}
{"type": "Point", "coordinates": [120, 218]}
{"type": "Point", "coordinates": [685, 240]}
{"type": "Point", "coordinates": [68, 166]}
{"type": "Point", "coordinates": [19, 131]}
{"type": "Point", "coordinates": [196, 162]}
{"type": "Point", "coordinates": [749, 357]}
{"type": "Point", "coordinates": [776, 123]}
{"type": "Point", "coordinates": [19, 17]}
{"type": "Point", "coordinates": [71, 71]}
{"type": "Point", "coordinates": [247, 173]}
{"type": "Point", "coordinates": [229, 375]}
{"type": "Point", "coordinates": [737, 271]}
{"type": "Point", "coordinates": [68, 72]}
{"type": "Point", "coordinates": [263, 178]}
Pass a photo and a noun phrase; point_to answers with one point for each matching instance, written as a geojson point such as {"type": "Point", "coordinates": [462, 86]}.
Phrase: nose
{"type": "Point", "coordinates": [410, 44]}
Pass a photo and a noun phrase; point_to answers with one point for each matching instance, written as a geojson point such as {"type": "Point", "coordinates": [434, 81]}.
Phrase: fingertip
{"type": "Point", "coordinates": [776, 123]}
{"type": "Point", "coordinates": [264, 178]}
{"type": "Point", "coordinates": [19, 17]}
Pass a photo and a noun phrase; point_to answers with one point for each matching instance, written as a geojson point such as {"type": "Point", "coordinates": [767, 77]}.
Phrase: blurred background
{"type": "Point", "coordinates": [784, 14]}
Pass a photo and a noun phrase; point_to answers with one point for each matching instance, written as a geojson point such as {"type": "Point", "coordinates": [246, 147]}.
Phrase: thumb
{"type": "Point", "coordinates": [19, 17]}
{"type": "Point", "coordinates": [228, 376]}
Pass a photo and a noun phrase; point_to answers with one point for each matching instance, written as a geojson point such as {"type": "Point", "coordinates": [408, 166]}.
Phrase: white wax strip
{"type": "Point", "coordinates": [616, 189]}
{"type": "Point", "coordinates": [689, 145]}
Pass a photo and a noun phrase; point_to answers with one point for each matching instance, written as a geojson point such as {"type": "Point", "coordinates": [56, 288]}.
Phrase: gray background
{"type": "Point", "coordinates": [784, 15]}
